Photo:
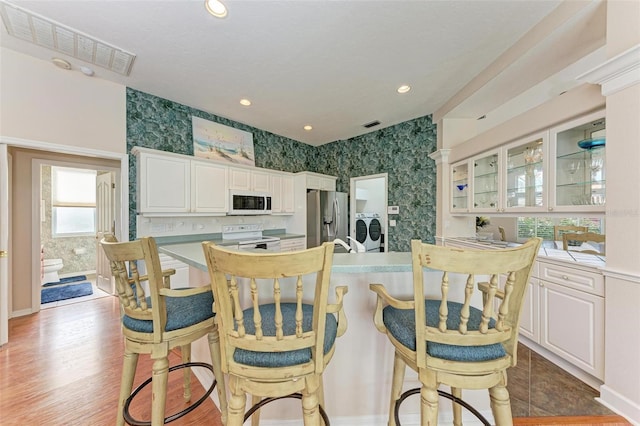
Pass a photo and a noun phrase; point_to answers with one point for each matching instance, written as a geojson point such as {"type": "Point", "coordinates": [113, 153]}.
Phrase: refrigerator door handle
{"type": "Point", "coordinates": [336, 212]}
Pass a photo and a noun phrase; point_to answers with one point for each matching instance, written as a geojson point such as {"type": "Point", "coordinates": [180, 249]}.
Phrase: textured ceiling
{"type": "Point", "coordinates": [332, 64]}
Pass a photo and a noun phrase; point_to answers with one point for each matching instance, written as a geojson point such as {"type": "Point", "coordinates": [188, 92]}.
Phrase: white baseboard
{"type": "Point", "coordinates": [20, 313]}
{"type": "Point", "coordinates": [445, 418]}
{"type": "Point", "coordinates": [619, 404]}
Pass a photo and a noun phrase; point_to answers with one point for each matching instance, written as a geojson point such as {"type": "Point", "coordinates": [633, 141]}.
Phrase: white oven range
{"type": "Point", "coordinates": [249, 237]}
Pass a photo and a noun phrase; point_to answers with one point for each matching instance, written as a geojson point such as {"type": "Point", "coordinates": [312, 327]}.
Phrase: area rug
{"type": "Point", "coordinates": [67, 280]}
{"type": "Point", "coordinates": [55, 294]}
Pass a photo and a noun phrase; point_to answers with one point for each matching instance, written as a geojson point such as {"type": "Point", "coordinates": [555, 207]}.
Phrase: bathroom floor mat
{"type": "Point", "coordinates": [67, 280]}
{"type": "Point", "coordinates": [64, 292]}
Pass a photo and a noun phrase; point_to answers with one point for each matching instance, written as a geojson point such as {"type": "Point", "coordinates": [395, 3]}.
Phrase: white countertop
{"type": "Point", "coordinates": [548, 252]}
{"type": "Point", "coordinates": [193, 255]}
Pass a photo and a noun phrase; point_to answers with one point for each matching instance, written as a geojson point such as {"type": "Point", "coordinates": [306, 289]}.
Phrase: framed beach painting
{"type": "Point", "coordinates": [222, 143]}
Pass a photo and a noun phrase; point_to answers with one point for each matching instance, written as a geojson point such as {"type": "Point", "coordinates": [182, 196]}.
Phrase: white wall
{"type": "Point", "coordinates": [42, 106]}
{"type": "Point", "coordinates": [41, 102]}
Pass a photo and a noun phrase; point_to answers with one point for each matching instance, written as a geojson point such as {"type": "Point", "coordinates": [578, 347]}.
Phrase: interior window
{"type": "Point", "coordinates": [543, 226]}
{"type": "Point", "coordinates": [73, 200]}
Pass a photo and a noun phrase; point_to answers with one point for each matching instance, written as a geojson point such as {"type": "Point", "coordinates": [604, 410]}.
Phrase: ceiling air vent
{"type": "Point", "coordinates": [44, 32]}
{"type": "Point", "coordinates": [372, 124]}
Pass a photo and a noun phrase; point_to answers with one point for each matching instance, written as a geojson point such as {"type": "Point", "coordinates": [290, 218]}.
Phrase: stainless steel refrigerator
{"type": "Point", "coordinates": [327, 217]}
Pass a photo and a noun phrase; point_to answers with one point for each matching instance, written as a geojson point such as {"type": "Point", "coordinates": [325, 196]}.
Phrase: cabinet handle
{"type": "Point", "coordinates": [550, 209]}
{"type": "Point", "coordinates": [541, 284]}
{"type": "Point", "coordinates": [564, 277]}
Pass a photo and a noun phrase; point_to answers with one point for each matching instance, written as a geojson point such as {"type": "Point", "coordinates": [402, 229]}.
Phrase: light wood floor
{"type": "Point", "coordinates": [62, 366]}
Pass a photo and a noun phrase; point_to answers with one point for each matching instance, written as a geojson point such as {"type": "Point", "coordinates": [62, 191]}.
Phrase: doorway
{"type": "Point", "coordinates": [368, 205]}
{"type": "Point", "coordinates": [75, 208]}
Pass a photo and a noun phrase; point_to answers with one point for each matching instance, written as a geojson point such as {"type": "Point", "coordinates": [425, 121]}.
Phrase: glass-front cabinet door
{"type": "Point", "coordinates": [579, 164]}
{"type": "Point", "coordinates": [460, 187]}
{"type": "Point", "coordinates": [486, 183]}
{"type": "Point", "coordinates": [525, 174]}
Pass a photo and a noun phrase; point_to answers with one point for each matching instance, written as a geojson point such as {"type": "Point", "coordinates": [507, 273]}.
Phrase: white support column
{"type": "Point", "coordinates": [620, 81]}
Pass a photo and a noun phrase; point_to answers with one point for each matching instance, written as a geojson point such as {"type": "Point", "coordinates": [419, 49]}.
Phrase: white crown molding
{"type": "Point", "coordinates": [440, 156]}
{"type": "Point", "coordinates": [617, 73]}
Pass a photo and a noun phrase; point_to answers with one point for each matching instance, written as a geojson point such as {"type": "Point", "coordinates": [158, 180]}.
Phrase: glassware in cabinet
{"type": "Point", "coordinates": [580, 172]}
{"type": "Point", "coordinates": [460, 187]}
{"type": "Point", "coordinates": [486, 183]}
{"type": "Point", "coordinates": [525, 174]}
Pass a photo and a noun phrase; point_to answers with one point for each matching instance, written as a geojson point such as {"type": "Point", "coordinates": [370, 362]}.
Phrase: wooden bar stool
{"type": "Point", "coordinates": [277, 329]}
{"type": "Point", "coordinates": [157, 319]}
{"type": "Point", "coordinates": [451, 342]}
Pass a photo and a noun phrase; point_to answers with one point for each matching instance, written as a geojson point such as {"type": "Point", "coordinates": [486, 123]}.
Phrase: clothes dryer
{"type": "Point", "coordinates": [369, 230]}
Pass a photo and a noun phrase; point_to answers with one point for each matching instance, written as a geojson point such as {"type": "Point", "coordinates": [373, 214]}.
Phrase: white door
{"type": "Point", "coordinates": [105, 190]}
{"type": "Point", "coordinates": [4, 245]}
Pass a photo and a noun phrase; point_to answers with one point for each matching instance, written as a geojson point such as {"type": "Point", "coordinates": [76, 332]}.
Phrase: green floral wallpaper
{"type": "Point", "coordinates": [401, 151]}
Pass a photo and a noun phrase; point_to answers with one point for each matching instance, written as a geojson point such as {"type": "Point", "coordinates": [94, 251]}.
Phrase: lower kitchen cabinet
{"type": "Point", "coordinates": [563, 312]}
{"type": "Point", "coordinates": [181, 278]}
{"type": "Point", "coordinates": [572, 326]}
{"type": "Point", "coordinates": [292, 244]}
{"type": "Point", "coordinates": [529, 316]}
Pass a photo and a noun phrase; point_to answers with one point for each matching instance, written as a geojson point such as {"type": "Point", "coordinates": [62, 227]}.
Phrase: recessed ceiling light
{"type": "Point", "coordinates": [308, 128]}
{"type": "Point", "coordinates": [216, 8]}
{"type": "Point", "coordinates": [245, 102]}
{"type": "Point", "coordinates": [404, 88]}
{"type": "Point", "coordinates": [61, 63]}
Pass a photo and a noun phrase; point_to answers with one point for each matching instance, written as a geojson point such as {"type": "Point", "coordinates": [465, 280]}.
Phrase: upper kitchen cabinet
{"type": "Point", "coordinates": [164, 183]}
{"type": "Point", "coordinates": [320, 181]}
{"type": "Point", "coordinates": [524, 177]}
{"type": "Point", "coordinates": [249, 180]}
{"type": "Point", "coordinates": [485, 184]}
{"type": "Point", "coordinates": [460, 187]}
{"type": "Point", "coordinates": [511, 178]}
{"type": "Point", "coordinates": [175, 184]}
{"type": "Point", "coordinates": [578, 156]}
{"type": "Point", "coordinates": [282, 194]}
{"type": "Point", "coordinates": [209, 187]}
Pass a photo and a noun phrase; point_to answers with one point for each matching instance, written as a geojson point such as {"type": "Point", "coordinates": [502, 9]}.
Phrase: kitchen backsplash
{"type": "Point", "coordinates": [401, 151]}
{"type": "Point", "coordinates": [169, 226]}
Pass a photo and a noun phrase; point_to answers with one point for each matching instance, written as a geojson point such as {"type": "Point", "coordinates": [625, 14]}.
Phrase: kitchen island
{"type": "Point", "coordinates": [358, 378]}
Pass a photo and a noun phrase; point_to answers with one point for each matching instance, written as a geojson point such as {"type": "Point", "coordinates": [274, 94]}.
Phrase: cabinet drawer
{"type": "Point", "coordinates": [292, 244]}
{"type": "Point", "coordinates": [590, 282]}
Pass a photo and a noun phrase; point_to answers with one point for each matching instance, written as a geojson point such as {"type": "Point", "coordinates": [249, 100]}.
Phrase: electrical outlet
{"type": "Point", "coordinates": [392, 222]}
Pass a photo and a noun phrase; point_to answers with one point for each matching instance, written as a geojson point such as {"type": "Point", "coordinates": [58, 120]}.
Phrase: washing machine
{"type": "Point", "coordinates": [369, 230]}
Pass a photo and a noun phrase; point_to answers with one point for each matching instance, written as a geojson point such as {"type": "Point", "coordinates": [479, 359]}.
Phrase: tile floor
{"type": "Point", "coordinates": [537, 387]}
{"type": "Point", "coordinates": [97, 293]}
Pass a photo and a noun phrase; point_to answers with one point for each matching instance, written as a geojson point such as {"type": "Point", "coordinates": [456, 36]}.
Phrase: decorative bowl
{"type": "Point", "coordinates": [591, 143]}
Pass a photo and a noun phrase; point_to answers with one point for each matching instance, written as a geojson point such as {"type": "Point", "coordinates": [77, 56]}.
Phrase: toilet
{"type": "Point", "coordinates": [51, 268]}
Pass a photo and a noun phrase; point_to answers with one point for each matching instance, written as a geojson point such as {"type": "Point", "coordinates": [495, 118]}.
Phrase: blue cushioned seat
{"type": "Point", "coordinates": [288, 358]}
{"type": "Point", "coordinates": [181, 312]}
{"type": "Point", "coordinates": [401, 324]}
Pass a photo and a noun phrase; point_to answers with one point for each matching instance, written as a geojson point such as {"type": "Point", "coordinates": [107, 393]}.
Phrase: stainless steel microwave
{"type": "Point", "coordinates": [249, 203]}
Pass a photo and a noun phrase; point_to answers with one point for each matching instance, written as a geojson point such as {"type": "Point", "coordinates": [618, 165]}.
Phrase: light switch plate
{"type": "Point", "coordinates": [392, 222]}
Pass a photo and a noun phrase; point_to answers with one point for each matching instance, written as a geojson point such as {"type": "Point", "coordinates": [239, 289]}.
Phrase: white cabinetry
{"type": "Point", "coordinates": [209, 187]}
{"type": "Point", "coordinates": [570, 315]}
{"type": "Point", "coordinates": [561, 169]}
{"type": "Point", "coordinates": [249, 180]}
{"type": "Point", "coordinates": [164, 183]}
{"type": "Point", "coordinates": [509, 179]}
{"type": "Point", "coordinates": [579, 177]}
{"type": "Point", "coordinates": [319, 181]}
{"type": "Point", "coordinates": [175, 184]}
{"type": "Point", "coordinates": [282, 194]}
{"type": "Point", "coordinates": [292, 244]}
{"type": "Point", "coordinates": [181, 278]}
